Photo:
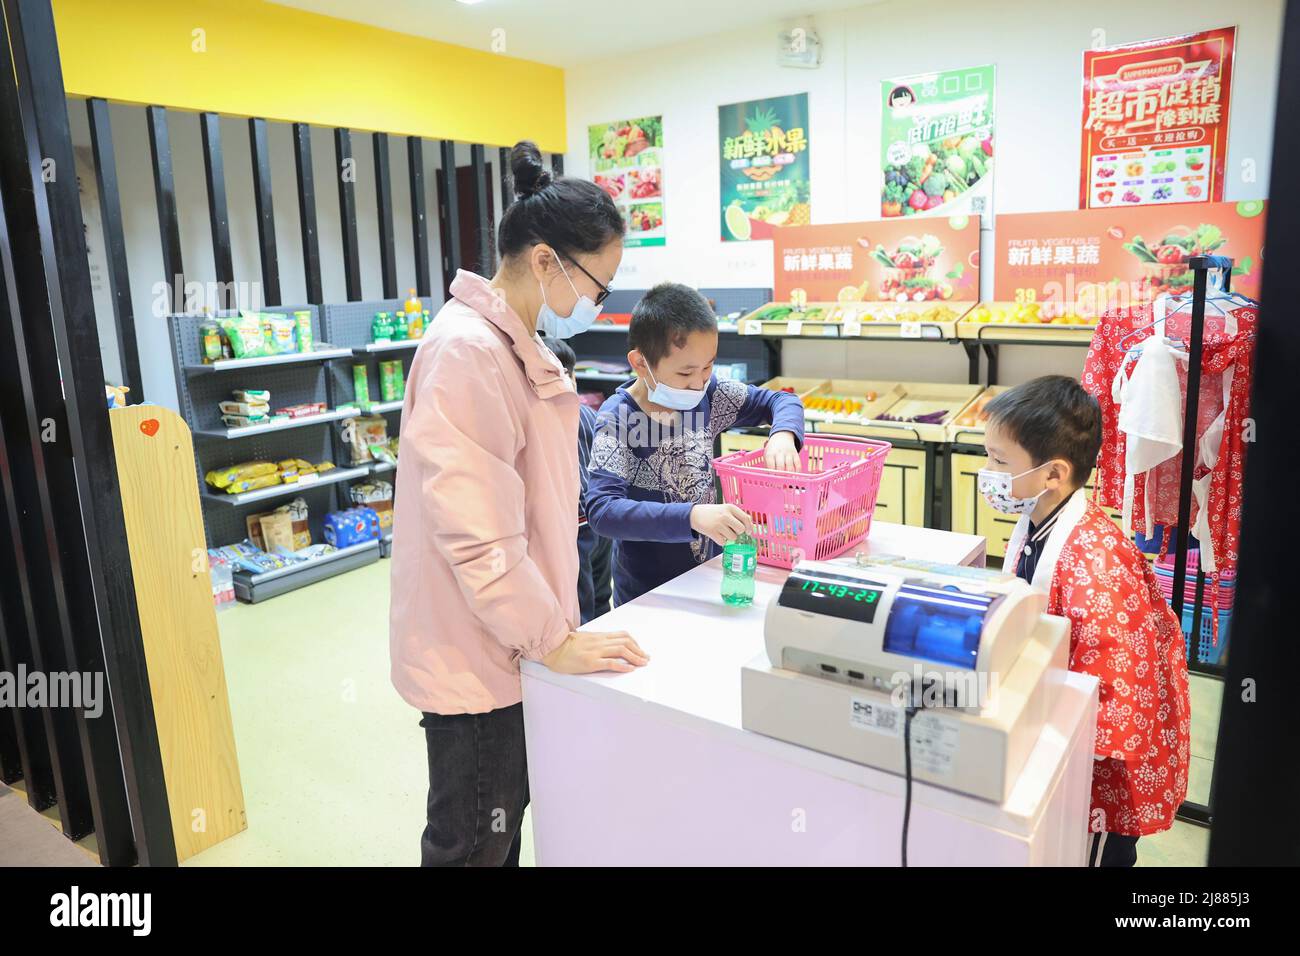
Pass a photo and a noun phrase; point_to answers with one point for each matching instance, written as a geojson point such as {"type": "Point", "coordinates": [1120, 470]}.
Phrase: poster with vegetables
{"type": "Point", "coordinates": [764, 166]}
{"type": "Point", "coordinates": [883, 261]}
{"type": "Point", "coordinates": [1155, 120]}
{"type": "Point", "coordinates": [1086, 261]}
{"type": "Point", "coordinates": [936, 141]}
{"type": "Point", "coordinates": [627, 162]}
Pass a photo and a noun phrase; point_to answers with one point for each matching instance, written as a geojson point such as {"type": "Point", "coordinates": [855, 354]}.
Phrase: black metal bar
{"type": "Point", "coordinates": [482, 212]}
{"type": "Point", "coordinates": [384, 201]}
{"type": "Point", "coordinates": [347, 171]}
{"type": "Point", "coordinates": [110, 213]}
{"type": "Point", "coordinates": [991, 353]}
{"type": "Point", "coordinates": [973, 361]}
{"type": "Point", "coordinates": [1196, 338]}
{"type": "Point", "coordinates": [503, 172]}
{"type": "Point", "coordinates": [557, 164]}
{"type": "Point", "coordinates": [419, 215]}
{"type": "Point", "coordinates": [261, 155]}
{"type": "Point", "coordinates": [307, 213]}
{"type": "Point", "coordinates": [33, 728]}
{"type": "Point", "coordinates": [214, 174]}
{"type": "Point", "coordinates": [164, 186]}
{"type": "Point", "coordinates": [98, 618]}
{"type": "Point", "coordinates": [449, 211]}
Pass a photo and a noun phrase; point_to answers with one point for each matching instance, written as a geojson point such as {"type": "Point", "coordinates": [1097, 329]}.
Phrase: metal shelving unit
{"type": "Point", "coordinates": [292, 380]}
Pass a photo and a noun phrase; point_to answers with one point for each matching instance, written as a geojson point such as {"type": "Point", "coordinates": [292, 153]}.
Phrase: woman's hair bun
{"type": "Point", "coordinates": [526, 169]}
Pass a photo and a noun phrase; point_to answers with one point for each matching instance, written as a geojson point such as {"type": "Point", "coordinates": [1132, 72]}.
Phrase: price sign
{"type": "Point", "coordinates": [751, 327]}
{"type": "Point", "coordinates": [794, 328]}
{"type": "Point", "coordinates": [910, 330]}
{"type": "Point", "coordinates": [852, 328]}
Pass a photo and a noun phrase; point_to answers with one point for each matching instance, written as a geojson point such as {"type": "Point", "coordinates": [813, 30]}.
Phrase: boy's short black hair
{"type": "Point", "coordinates": [665, 316]}
{"type": "Point", "coordinates": [563, 351]}
{"type": "Point", "coordinates": [1052, 417]}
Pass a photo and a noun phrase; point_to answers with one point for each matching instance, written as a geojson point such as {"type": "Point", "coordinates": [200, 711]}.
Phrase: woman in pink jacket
{"type": "Point", "coordinates": [485, 561]}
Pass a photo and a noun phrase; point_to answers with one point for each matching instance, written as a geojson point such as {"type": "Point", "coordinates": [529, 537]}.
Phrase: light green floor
{"type": "Point", "coordinates": [333, 761]}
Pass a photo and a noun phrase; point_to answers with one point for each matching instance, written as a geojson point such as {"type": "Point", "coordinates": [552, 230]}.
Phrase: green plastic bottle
{"type": "Point", "coordinates": [739, 562]}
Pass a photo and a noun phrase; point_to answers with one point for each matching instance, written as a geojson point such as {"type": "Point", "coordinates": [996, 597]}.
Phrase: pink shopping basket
{"type": "Point", "coordinates": [815, 514]}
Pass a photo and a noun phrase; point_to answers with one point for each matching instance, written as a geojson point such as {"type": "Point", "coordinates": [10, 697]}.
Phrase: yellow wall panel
{"type": "Point", "coordinates": [261, 59]}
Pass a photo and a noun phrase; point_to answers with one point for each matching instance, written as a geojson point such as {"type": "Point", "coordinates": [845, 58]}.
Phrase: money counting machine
{"type": "Point", "coordinates": [850, 648]}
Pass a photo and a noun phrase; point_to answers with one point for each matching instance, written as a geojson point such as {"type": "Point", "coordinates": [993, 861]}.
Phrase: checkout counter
{"type": "Point", "coordinates": [735, 746]}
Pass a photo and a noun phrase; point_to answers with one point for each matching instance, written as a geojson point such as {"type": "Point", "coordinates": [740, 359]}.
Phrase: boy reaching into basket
{"type": "Point", "coordinates": [650, 485]}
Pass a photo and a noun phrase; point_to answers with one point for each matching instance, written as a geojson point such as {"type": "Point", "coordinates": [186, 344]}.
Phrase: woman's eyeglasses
{"type": "Point", "coordinates": [605, 290]}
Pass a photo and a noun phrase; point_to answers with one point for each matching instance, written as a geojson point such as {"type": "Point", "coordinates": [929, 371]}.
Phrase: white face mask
{"type": "Point", "coordinates": [995, 486]}
{"type": "Point", "coordinates": [580, 318]}
{"type": "Point", "coordinates": [678, 399]}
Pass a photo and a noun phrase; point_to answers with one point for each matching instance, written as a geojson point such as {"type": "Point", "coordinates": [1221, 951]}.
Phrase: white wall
{"type": "Point", "coordinates": [1036, 46]}
{"type": "Point", "coordinates": [140, 221]}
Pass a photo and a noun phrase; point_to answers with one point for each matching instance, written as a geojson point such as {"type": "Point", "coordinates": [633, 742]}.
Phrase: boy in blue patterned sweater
{"type": "Point", "coordinates": [650, 486]}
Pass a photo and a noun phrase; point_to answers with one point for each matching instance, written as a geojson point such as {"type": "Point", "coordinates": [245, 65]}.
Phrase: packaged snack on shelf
{"type": "Point", "coordinates": [360, 384]}
{"type": "Point", "coordinates": [297, 512]}
{"type": "Point", "coordinates": [223, 477]}
{"type": "Point", "coordinates": [241, 421]}
{"type": "Point", "coordinates": [210, 340]}
{"type": "Point", "coordinates": [302, 320]}
{"type": "Point", "coordinates": [247, 409]}
{"type": "Point", "coordinates": [305, 410]}
{"type": "Point", "coordinates": [392, 387]}
{"type": "Point", "coordinates": [315, 551]}
{"type": "Point", "coordinates": [378, 495]}
{"type": "Point", "coordinates": [353, 526]}
{"type": "Point", "coordinates": [254, 396]}
{"type": "Point", "coordinates": [247, 337]}
{"type": "Point", "coordinates": [253, 484]}
{"type": "Point", "coordinates": [385, 452]}
{"type": "Point", "coordinates": [324, 466]}
{"type": "Point", "coordinates": [362, 432]}
{"type": "Point", "coordinates": [246, 556]}
{"type": "Point", "coordinates": [281, 333]}
{"type": "Point", "coordinates": [277, 532]}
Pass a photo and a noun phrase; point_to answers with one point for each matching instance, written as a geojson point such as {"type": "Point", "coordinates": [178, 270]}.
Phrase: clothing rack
{"type": "Point", "coordinates": [1201, 267]}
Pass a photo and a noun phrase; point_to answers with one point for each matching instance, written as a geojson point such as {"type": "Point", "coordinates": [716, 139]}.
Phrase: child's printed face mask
{"type": "Point", "coordinates": [996, 487]}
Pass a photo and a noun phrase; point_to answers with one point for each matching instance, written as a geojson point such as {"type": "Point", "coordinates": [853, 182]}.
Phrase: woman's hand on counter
{"type": "Point", "coordinates": [722, 524]}
{"type": "Point", "coordinates": [585, 652]}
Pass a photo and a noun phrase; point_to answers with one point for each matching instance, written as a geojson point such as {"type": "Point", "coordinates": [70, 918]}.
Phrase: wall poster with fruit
{"type": "Point", "coordinates": [627, 162]}
{"type": "Point", "coordinates": [763, 146]}
{"type": "Point", "coordinates": [936, 141]}
{"type": "Point", "coordinates": [1155, 120]}
{"type": "Point", "coordinates": [886, 261]}
{"type": "Point", "coordinates": [1080, 263]}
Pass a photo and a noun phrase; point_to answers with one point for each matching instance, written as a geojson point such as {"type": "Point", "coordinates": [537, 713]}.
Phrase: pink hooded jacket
{"type": "Point", "coordinates": [485, 559]}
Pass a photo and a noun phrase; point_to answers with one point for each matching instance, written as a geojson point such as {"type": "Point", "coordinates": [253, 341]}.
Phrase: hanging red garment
{"type": "Point", "coordinates": [1223, 410]}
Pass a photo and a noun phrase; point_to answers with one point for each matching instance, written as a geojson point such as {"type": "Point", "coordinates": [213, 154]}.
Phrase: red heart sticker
{"type": "Point", "coordinates": [149, 426]}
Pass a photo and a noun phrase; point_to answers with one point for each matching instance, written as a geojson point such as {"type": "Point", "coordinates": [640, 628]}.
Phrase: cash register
{"type": "Point", "coordinates": [851, 649]}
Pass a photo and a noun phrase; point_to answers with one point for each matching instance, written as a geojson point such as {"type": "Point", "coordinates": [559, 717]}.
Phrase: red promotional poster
{"type": "Point", "coordinates": [892, 260]}
{"type": "Point", "coordinates": [1084, 261]}
{"type": "Point", "coordinates": [1155, 120]}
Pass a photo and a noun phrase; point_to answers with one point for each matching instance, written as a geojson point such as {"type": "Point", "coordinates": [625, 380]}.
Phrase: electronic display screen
{"type": "Point", "coordinates": [837, 595]}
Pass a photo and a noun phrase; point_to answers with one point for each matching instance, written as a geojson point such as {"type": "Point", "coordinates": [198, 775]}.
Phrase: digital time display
{"type": "Point", "coordinates": [837, 595]}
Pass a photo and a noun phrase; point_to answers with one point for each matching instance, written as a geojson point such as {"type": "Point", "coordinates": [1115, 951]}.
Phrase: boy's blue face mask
{"type": "Point", "coordinates": [581, 318]}
{"type": "Point", "coordinates": [678, 399]}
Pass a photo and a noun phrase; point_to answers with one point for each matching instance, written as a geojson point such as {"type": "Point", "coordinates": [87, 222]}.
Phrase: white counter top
{"type": "Point", "coordinates": [697, 643]}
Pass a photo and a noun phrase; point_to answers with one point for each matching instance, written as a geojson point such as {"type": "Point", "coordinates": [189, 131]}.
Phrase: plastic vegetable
{"type": "Point", "coordinates": [917, 200]}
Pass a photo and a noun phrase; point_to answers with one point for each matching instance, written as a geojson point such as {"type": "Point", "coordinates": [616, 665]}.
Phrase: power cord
{"type": "Point", "coordinates": [908, 714]}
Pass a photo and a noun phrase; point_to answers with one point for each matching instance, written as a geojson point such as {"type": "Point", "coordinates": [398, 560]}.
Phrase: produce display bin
{"type": "Point", "coordinates": [904, 320]}
{"type": "Point", "coordinates": [967, 428]}
{"type": "Point", "coordinates": [875, 398]}
{"type": "Point", "coordinates": [1021, 323]}
{"type": "Point", "coordinates": [813, 320]}
{"type": "Point", "coordinates": [906, 400]}
{"type": "Point", "coordinates": [800, 386]}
